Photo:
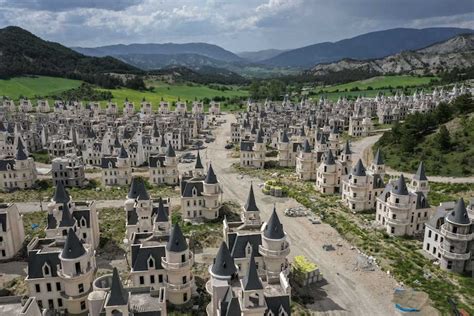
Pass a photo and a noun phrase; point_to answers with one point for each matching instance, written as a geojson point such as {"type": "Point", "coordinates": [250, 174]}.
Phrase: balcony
{"type": "Point", "coordinates": [179, 265]}
{"type": "Point", "coordinates": [274, 253]}
{"type": "Point", "coordinates": [400, 206]}
{"type": "Point", "coordinates": [394, 221]}
{"type": "Point", "coordinates": [180, 287]}
{"type": "Point", "coordinates": [209, 287]}
{"type": "Point", "coordinates": [454, 256]}
{"type": "Point", "coordinates": [81, 274]}
{"type": "Point", "coordinates": [455, 236]}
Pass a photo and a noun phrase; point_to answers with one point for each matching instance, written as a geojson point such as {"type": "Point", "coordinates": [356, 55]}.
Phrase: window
{"type": "Point", "coordinates": [48, 287]}
{"type": "Point", "coordinates": [429, 234]}
{"type": "Point", "coordinates": [392, 230]}
{"type": "Point", "coordinates": [449, 265]}
{"type": "Point", "coordinates": [58, 286]}
{"type": "Point", "coordinates": [428, 247]}
{"type": "Point", "coordinates": [142, 280]}
{"type": "Point", "coordinates": [152, 279]}
{"type": "Point", "coordinates": [151, 262]}
{"type": "Point", "coordinates": [37, 288]}
{"type": "Point", "coordinates": [185, 297]}
{"type": "Point", "coordinates": [81, 288]}
{"type": "Point", "coordinates": [60, 302]}
{"type": "Point", "coordinates": [83, 305]}
{"type": "Point", "coordinates": [160, 278]}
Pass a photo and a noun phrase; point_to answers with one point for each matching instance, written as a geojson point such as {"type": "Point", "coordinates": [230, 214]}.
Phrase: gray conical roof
{"type": "Point", "coordinates": [60, 194]}
{"type": "Point", "coordinates": [73, 247]}
{"type": "Point", "coordinates": [170, 151]}
{"type": "Point", "coordinates": [156, 132]}
{"type": "Point", "coordinates": [117, 296]}
{"type": "Point", "coordinates": [359, 169]}
{"type": "Point", "coordinates": [198, 164]}
{"type": "Point", "coordinates": [20, 151]}
{"type": "Point", "coordinates": [251, 205]}
{"type": "Point", "coordinates": [177, 242]}
{"type": "Point", "coordinates": [284, 138]}
{"type": "Point", "coordinates": [400, 187]}
{"type": "Point", "coordinates": [116, 142]}
{"type": "Point", "coordinates": [251, 281]}
{"type": "Point", "coordinates": [420, 173]}
{"type": "Point", "coordinates": [123, 153]}
{"type": "Point", "coordinates": [274, 228]}
{"type": "Point", "coordinates": [66, 217]}
{"type": "Point", "coordinates": [138, 190]}
{"type": "Point", "coordinates": [211, 176]}
{"type": "Point", "coordinates": [163, 142]}
{"type": "Point", "coordinates": [329, 158]}
{"type": "Point", "coordinates": [259, 137]}
{"type": "Point", "coordinates": [347, 148]}
{"type": "Point", "coordinates": [459, 214]}
{"type": "Point", "coordinates": [161, 214]}
{"type": "Point", "coordinates": [306, 146]}
{"type": "Point", "coordinates": [378, 159]}
{"type": "Point", "coordinates": [224, 263]}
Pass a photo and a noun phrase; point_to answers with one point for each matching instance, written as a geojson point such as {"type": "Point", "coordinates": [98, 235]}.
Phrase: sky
{"type": "Point", "coordinates": [237, 25]}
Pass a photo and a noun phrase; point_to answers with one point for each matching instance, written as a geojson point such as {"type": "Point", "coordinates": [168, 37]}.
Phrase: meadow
{"type": "Point", "coordinates": [34, 87]}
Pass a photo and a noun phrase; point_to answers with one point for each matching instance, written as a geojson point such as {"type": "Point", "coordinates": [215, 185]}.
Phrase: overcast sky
{"type": "Point", "coordinates": [237, 25]}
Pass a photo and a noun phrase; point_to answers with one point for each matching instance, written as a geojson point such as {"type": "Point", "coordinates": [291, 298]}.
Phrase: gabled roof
{"type": "Point", "coordinates": [177, 242]}
{"type": "Point", "coordinates": [400, 186]}
{"type": "Point", "coordinates": [36, 261]}
{"type": "Point", "coordinates": [198, 164]}
{"type": "Point", "coordinates": [274, 228]}
{"type": "Point", "coordinates": [117, 296]}
{"type": "Point", "coordinates": [211, 176]}
{"type": "Point", "coordinates": [359, 169]}
{"type": "Point", "coordinates": [251, 205]}
{"type": "Point", "coordinates": [251, 281]}
{"type": "Point", "coordinates": [60, 194]}
{"type": "Point", "coordinates": [238, 244]}
{"type": "Point", "coordinates": [138, 189]}
{"type": "Point", "coordinates": [378, 159]}
{"type": "Point", "coordinates": [276, 304]}
{"type": "Point", "coordinates": [459, 214]}
{"type": "Point", "coordinates": [224, 263]}
{"type": "Point", "coordinates": [170, 151]}
{"type": "Point", "coordinates": [73, 247]}
{"type": "Point", "coordinates": [420, 173]}
{"type": "Point", "coordinates": [141, 255]}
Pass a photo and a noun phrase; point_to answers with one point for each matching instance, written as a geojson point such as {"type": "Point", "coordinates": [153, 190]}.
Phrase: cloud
{"type": "Point", "coordinates": [237, 25]}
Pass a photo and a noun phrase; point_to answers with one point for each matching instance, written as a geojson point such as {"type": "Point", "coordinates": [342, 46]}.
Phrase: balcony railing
{"type": "Point", "coordinates": [454, 256]}
{"type": "Point", "coordinates": [455, 236]}
{"type": "Point", "coordinates": [401, 206]}
{"type": "Point", "coordinates": [274, 253]}
{"type": "Point", "coordinates": [82, 273]}
{"type": "Point", "coordinates": [179, 287]}
{"type": "Point", "coordinates": [394, 221]}
{"type": "Point", "coordinates": [178, 265]}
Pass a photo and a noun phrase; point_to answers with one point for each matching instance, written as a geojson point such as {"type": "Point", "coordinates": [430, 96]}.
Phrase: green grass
{"type": "Point", "coordinates": [33, 87]}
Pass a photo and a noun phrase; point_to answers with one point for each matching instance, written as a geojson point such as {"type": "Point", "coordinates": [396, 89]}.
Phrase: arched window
{"type": "Point", "coordinates": [46, 270]}
{"type": "Point", "coordinates": [151, 262]}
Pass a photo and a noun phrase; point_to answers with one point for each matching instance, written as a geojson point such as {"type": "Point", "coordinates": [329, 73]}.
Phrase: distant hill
{"type": "Point", "coordinates": [23, 53]}
{"type": "Point", "coordinates": [457, 52]}
{"type": "Point", "coordinates": [204, 75]}
{"type": "Point", "coordinates": [367, 46]}
{"type": "Point", "coordinates": [260, 55]}
{"type": "Point", "coordinates": [204, 49]}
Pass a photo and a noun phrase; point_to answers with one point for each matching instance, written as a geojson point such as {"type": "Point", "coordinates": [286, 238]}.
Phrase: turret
{"type": "Point", "coordinates": [198, 167]}
{"type": "Point", "coordinates": [116, 302]}
{"type": "Point", "coordinates": [250, 212]}
{"type": "Point", "coordinates": [252, 294]}
{"type": "Point", "coordinates": [419, 183]}
{"type": "Point", "coordinates": [170, 157]}
{"type": "Point", "coordinates": [378, 165]}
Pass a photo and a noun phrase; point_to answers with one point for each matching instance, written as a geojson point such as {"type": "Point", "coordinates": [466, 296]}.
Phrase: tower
{"type": "Point", "coordinates": [116, 302]}
{"type": "Point", "coordinates": [284, 150]}
{"type": "Point", "coordinates": [177, 263]}
{"type": "Point", "coordinates": [419, 183]}
{"type": "Point", "coordinates": [211, 193]}
{"type": "Point", "coordinates": [259, 151]}
{"type": "Point", "coordinates": [198, 167]}
{"type": "Point", "coordinates": [252, 294]}
{"type": "Point", "coordinates": [161, 222]}
{"type": "Point", "coordinates": [346, 155]}
{"type": "Point", "coordinates": [275, 248]}
{"type": "Point", "coordinates": [76, 273]}
{"type": "Point", "coordinates": [378, 165]}
{"type": "Point", "coordinates": [250, 212]}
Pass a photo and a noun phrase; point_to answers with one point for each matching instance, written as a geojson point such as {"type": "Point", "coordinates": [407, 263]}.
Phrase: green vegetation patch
{"type": "Point", "coordinates": [34, 87]}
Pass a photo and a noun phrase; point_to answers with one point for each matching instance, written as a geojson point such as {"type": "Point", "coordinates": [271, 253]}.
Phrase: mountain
{"type": "Point", "coordinates": [260, 55]}
{"type": "Point", "coordinates": [203, 75]}
{"type": "Point", "coordinates": [367, 46]}
{"type": "Point", "coordinates": [23, 53]}
{"type": "Point", "coordinates": [204, 49]}
{"type": "Point", "coordinates": [457, 52]}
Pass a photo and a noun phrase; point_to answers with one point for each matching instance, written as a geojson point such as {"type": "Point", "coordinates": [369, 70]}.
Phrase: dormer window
{"type": "Point", "coordinates": [248, 249]}
{"type": "Point", "coordinates": [46, 270]}
{"type": "Point", "coordinates": [83, 222]}
{"type": "Point", "coordinates": [194, 191]}
{"type": "Point", "coordinates": [151, 262]}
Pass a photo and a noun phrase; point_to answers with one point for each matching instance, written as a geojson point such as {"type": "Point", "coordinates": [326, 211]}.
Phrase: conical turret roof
{"type": "Point", "coordinates": [211, 176]}
{"type": "Point", "coordinates": [378, 159]}
{"type": "Point", "coordinates": [198, 164]}
{"type": "Point", "coordinates": [251, 205]}
{"type": "Point", "coordinates": [420, 173]}
{"type": "Point", "coordinates": [359, 169]}
{"type": "Point", "coordinates": [138, 190]}
{"type": "Point", "coordinates": [224, 263]}
{"type": "Point", "coordinates": [251, 281]}
{"type": "Point", "coordinates": [459, 214]}
{"type": "Point", "coordinates": [176, 242]}
{"type": "Point", "coordinates": [73, 247]}
{"type": "Point", "coordinates": [274, 228]}
{"type": "Point", "coordinates": [60, 194]}
{"type": "Point", "coordinates": [400, 187]}
{"type": "Point", "coordinates": [117, 296]}
{"type": "Point", "coordinates": [170, 151]}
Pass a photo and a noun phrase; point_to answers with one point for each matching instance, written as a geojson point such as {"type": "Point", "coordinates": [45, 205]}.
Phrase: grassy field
{"type": "Point", "coordinates": [371, 87]}
{"type": "Point", "coordinates": [33, 87]}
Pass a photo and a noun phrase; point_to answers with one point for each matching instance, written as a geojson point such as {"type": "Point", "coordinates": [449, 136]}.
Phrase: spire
{"type": "Point", "coordinates": [60, 194]}
{"type": "Point", "coordinates": [306, 147]}
{"type": "Point", "coordinates": [378, 160]}
{"type": "Point", "coordinates": [251, 206]}
{"type": "Point", "coordinates": [163, 143]}
{"type": "Point", "coordinates": [20, 150]}
{"type": "Point", "coordinates": [170, 151]}
{"type": "Point", "coordinates": [73, 247]}
{"type": "Point", "coordinates": [224, 263]}
{"type": "Point", "coordinates": [347, 148]}
{"type": "Point", "coordinates": [198, 164]}
{"type": "Point", "coordinates": [285, 139]}
{"type": "Point", "coordinates": [274, 229]}
{"type": "Point", "coordinates": [259, 137]}
{"type": "Point", "coordinates": [138, 190]}
{"type": "Point", "coordinates": [177, 242]}
{"type": "Point", "coordinates": [329, 159]}
{"type": "Point", "coordinates": [117, 296]}
{"type": "Point", "coordinates": [251, 281]}
{"type": "Point", "coordinates": [116, 142]}
{"type": "Point", "coordinates": [420, 173]}
{"type": "Point", "coordinates": [66, 217]}
{"type": "Point", "coordinates": [123, 153]}
{"type": "Point", "coordinates": [459, 214]}
{"type": "Point", "coordinates": [156, 132]}
{"type": "Point", "coordinates": [211, 176]}
{"type": "Point", "coordinates": [401, 187]}
{"type": "Point", "coordinates": [161, 214]}
{"type": "Point", "coordinates": [359, 169]}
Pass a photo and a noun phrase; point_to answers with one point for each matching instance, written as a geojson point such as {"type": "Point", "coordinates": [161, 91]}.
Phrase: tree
{"type": "Point", "coordinates": [443, 139]}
